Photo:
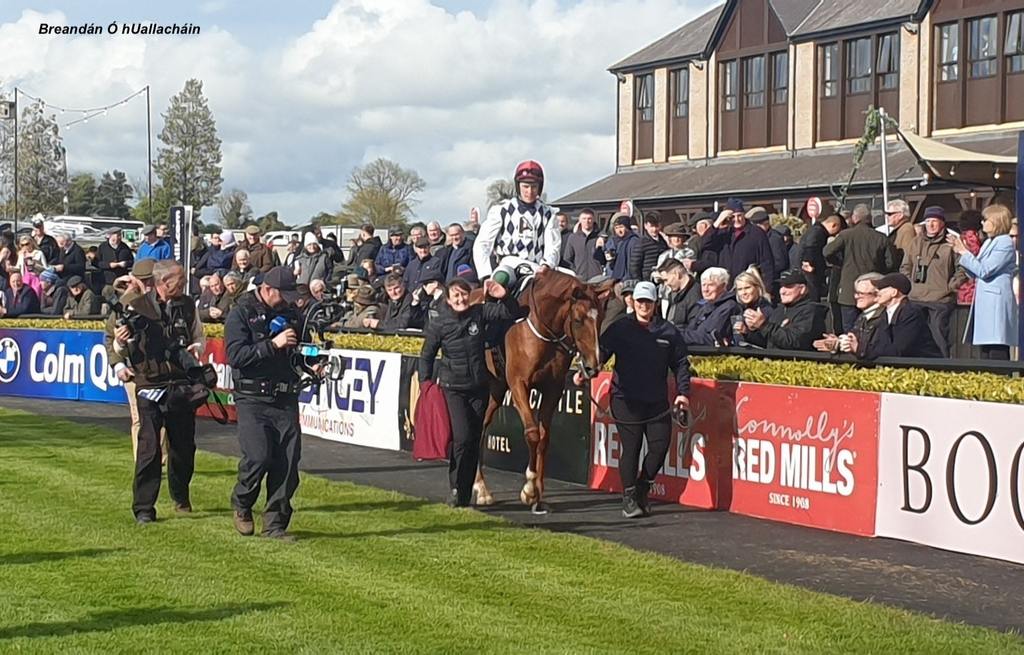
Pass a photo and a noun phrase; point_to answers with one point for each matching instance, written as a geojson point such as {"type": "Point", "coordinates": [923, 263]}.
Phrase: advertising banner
{"type": "Point", "coordinates": [57, 364]}
{"type": "Point", "coordinates": [505, 446]}
{"type": "Point", "coordinates": [216, 354]}
{"type": "Point", "coordinates": [806, 456]}
{"type": "Point", "coordinates": [950, 475]}
{"type": "Point", "coordinates": [362, 407]}
{"type": "Point", "coordinates": [697, 458]}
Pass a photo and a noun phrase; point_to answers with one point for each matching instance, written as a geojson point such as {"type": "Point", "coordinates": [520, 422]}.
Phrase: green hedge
{"type": "Point", "coordinates": [911, 381]}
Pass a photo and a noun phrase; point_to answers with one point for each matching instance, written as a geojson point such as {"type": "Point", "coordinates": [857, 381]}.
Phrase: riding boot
{"type": "Point", "coordinates": [630, 508]}
{"type": "Point", "coordinates": [643, 487]}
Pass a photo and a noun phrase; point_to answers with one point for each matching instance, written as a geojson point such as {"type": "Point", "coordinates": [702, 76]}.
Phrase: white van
{"type": "Point", "coordinates": [92, 230]}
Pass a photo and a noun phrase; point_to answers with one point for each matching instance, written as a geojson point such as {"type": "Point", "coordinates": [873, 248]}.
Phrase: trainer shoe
{"type": "Point", "coordinates": [183, 508]}
{"type": "Point", "coordinates": [643, 487]}
{"type": "Point", "coordinates": [279, 535]}
{"type": "Point", "coordinates": [630, 508]}
{"type": "Point", "coordinates": [244, 523]}
{"type": "Point", "coordinates": [144, 519]}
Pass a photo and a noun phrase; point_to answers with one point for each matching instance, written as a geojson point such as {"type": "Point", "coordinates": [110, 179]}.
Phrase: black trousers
{"type": "Point", "coordinates": [466, 413]}
{"type": "Point", "coordinates": [271, 442]}
{"type": "Point", "coordinates": [938, 315]}
{"type": "Point", "coordinates": [181, 458]}
{"type": "Point", "coordinates": [658, 433]}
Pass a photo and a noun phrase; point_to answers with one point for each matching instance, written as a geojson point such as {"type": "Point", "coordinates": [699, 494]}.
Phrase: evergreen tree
{"type": "Point", "coordinates": [189, 162]}
{"type": "Point", "coordinates": [82, 195]}
{"type": "Point", "coordinates": [499, 191]}
{"type": "Point", "coordinates": [112, 194]}
{"type": "Point", "coordinates": [163, 200]}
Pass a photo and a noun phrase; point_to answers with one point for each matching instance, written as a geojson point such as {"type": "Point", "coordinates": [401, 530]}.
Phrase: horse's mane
{"type": "Point", "coordinates": [552, 285]}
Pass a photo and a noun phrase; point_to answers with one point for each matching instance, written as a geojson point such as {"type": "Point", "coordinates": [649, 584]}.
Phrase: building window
{"type": "Point", "coordinates": [1014, 49]}
{"type": "Point", "coordinates": [729, 85]}
{"type": "Point", "coordinates": [645, 97]}
{"type": "Point", "coordinates": [780, 78]}
{"type": "Point", "coordinates": [982, 46]}
{"type": "Point", "coordinates": [949, 52]}
{"type": "Point", "coordinates": [830, 70]}
{"type": "Point", "coordinates": [858, 66]}
{"type": "Point", "coordinates": [753, 82]}
{"type": "Point", "coordinates": [681, 93]}
{"type": "Point", "coordinates": [888, 62]}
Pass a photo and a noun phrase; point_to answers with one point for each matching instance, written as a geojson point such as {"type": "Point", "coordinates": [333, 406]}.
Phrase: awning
{"type": "Point", "coordinates": [795, 175]}
{"type": "Point", "coordinates": [944, 161]}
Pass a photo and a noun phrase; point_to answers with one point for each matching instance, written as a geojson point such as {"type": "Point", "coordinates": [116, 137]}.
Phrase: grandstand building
{"type": "Point", "coordinates": [766, 99]}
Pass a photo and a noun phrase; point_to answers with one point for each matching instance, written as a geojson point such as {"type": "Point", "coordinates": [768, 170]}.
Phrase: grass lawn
{"type": "Point", "coordinates": [374, 572]}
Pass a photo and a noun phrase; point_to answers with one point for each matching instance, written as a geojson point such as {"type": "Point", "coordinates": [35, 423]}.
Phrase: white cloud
{"type": "Point", "coordinates": [459, 97]}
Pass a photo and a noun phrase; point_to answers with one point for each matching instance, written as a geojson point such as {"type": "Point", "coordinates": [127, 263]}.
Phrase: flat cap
{"type": "Point", "coordinates": [791, 277]}
{"type": "Point", "coordinates": [897, 281]}
{"type": "Point", "coordinates": [143, 269]}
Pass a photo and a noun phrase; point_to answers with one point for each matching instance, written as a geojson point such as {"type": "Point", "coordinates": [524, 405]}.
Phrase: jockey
{"type": "Point", "coordinates": [519, 231]}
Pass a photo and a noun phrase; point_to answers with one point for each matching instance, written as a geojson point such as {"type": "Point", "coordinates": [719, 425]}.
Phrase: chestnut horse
{"type": "Point", "coordinates": [564, 320]}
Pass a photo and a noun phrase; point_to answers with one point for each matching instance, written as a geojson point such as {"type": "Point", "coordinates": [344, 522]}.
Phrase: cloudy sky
{"type": "Point", "coordinates": [302, 92]}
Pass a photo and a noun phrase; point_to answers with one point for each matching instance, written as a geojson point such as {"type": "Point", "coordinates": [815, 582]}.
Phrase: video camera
{"type": "Point", "coordinates": [308, 356]}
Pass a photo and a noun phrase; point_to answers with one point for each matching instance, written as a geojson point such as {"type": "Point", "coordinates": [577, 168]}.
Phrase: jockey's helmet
{"type": "Point", "coordinates": [530, 171]}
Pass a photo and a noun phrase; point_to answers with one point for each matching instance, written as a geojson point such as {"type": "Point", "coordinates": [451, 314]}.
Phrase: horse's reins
{"type": "Point", "coordinates": [678, 419]}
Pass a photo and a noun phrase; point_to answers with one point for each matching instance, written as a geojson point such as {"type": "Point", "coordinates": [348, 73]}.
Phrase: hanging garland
{"type": "Point", "coordinates": [872, 130]}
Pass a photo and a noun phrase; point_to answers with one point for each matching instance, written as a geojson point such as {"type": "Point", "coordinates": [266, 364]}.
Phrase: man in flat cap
{"type": "Point", "coordinates": [903, 329]}
{"type": "Point", "coordinates": [152, 246]}
{"type": "Point", "coordinates": [930, 263]}
{"type": "Point", "coordinates": [261, 258]}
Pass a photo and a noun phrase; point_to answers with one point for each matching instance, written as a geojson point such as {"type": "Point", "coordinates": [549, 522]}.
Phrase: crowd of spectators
{"type": "Point", "coordinates": [734, 279]}
{"type": "Point", "coordinates": [731, 279]}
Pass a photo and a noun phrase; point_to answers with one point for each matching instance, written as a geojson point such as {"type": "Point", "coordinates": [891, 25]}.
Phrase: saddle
{"type": "Point", "coordinates": [494, 333]}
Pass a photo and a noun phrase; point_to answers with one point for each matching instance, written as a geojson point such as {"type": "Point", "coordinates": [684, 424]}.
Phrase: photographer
{"type": "Point", "coordinates": [260, 340]}
{"type": "Point", "coordinates": [158, 339]}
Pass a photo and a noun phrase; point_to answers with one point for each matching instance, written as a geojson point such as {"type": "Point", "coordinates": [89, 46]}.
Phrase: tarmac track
{"type": "Point", "coordinates": [948, 585]}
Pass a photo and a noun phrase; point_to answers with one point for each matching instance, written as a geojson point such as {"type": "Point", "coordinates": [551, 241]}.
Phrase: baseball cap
{"type": "Point", "coordinates": [432, 275]}
{"type": "Point", "coordinates": [645, 291]}
{"type": "Point", "coordinates": [621, 219]}
{"type": "Point", "coordinates": [897, 281]}
{"type": "Point", "coordinates": [791, 277]}
{"type": "Point", "coordinates": [627, 287]}
{"type": "Point", "coordinates": [282, 279]}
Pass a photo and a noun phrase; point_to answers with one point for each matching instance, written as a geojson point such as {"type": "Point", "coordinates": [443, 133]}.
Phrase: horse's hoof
{"type": "Point", "coordinates": [484, 500]}
{"type": "Point", "coordinates": [539, 509]}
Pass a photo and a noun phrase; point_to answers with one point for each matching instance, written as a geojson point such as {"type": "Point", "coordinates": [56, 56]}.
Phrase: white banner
{"type": "Point", "coordinates": [950, 475]}
{"type": "Point", "coordinates": [362, 407]}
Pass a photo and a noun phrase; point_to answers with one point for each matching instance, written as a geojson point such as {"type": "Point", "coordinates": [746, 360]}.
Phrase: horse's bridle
{"type": "Point", "coordinates": [568, 334]}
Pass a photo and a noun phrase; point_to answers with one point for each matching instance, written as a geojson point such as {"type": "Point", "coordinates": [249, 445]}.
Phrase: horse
{"type": "Point", "coordinates": [564, 316]}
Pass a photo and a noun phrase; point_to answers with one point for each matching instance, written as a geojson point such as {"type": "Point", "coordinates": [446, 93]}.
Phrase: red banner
{"type": "Point", "coordinates": [697, 457]}
{"type": "Point", "coordinates": [216, 354]}
{"type": "Point", "coordinates": [806, 456]}
{"type": "Point", "coordinates": [792, 454]}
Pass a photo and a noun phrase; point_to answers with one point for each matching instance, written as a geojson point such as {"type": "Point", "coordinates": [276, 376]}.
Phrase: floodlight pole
{"type": "Point", "coordinates": [16, 112]}
{"type": "Point", "coordinates": [149, 152]}
{"type": "Point", "coordinates": [885, 166]}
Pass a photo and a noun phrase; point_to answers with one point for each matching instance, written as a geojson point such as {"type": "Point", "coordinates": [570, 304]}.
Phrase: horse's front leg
{"type": "Point", "coordinates": [548, 405]}
{"type": "Point", "coordinates": [531, 430]}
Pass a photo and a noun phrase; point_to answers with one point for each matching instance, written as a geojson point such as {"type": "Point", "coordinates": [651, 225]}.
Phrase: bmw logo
{"type": "Point", "coordinates": [10, 360]}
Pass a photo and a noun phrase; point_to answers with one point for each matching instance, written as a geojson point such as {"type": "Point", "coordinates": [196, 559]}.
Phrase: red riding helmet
{"type": "Point", "coordinates": [529, 171]}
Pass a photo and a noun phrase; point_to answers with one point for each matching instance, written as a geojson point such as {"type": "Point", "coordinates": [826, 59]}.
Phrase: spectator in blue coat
{"type": "Point", "coordinates": [615, 253]}
{"type": "Point", "coordinates": [19, 298]}
{"type": "Point", "coordinates": [153, 247]}
{"type": "Point", "coordinates": [710, 324]}
{"type": "Point", "coordinates": [393, 255]}
{"type": "Point", "coordinates": [459, 251]}
{"type": "Point", "coordinates": [994, 309]}
{"type": "Point", "coordinates": [422, 263]}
